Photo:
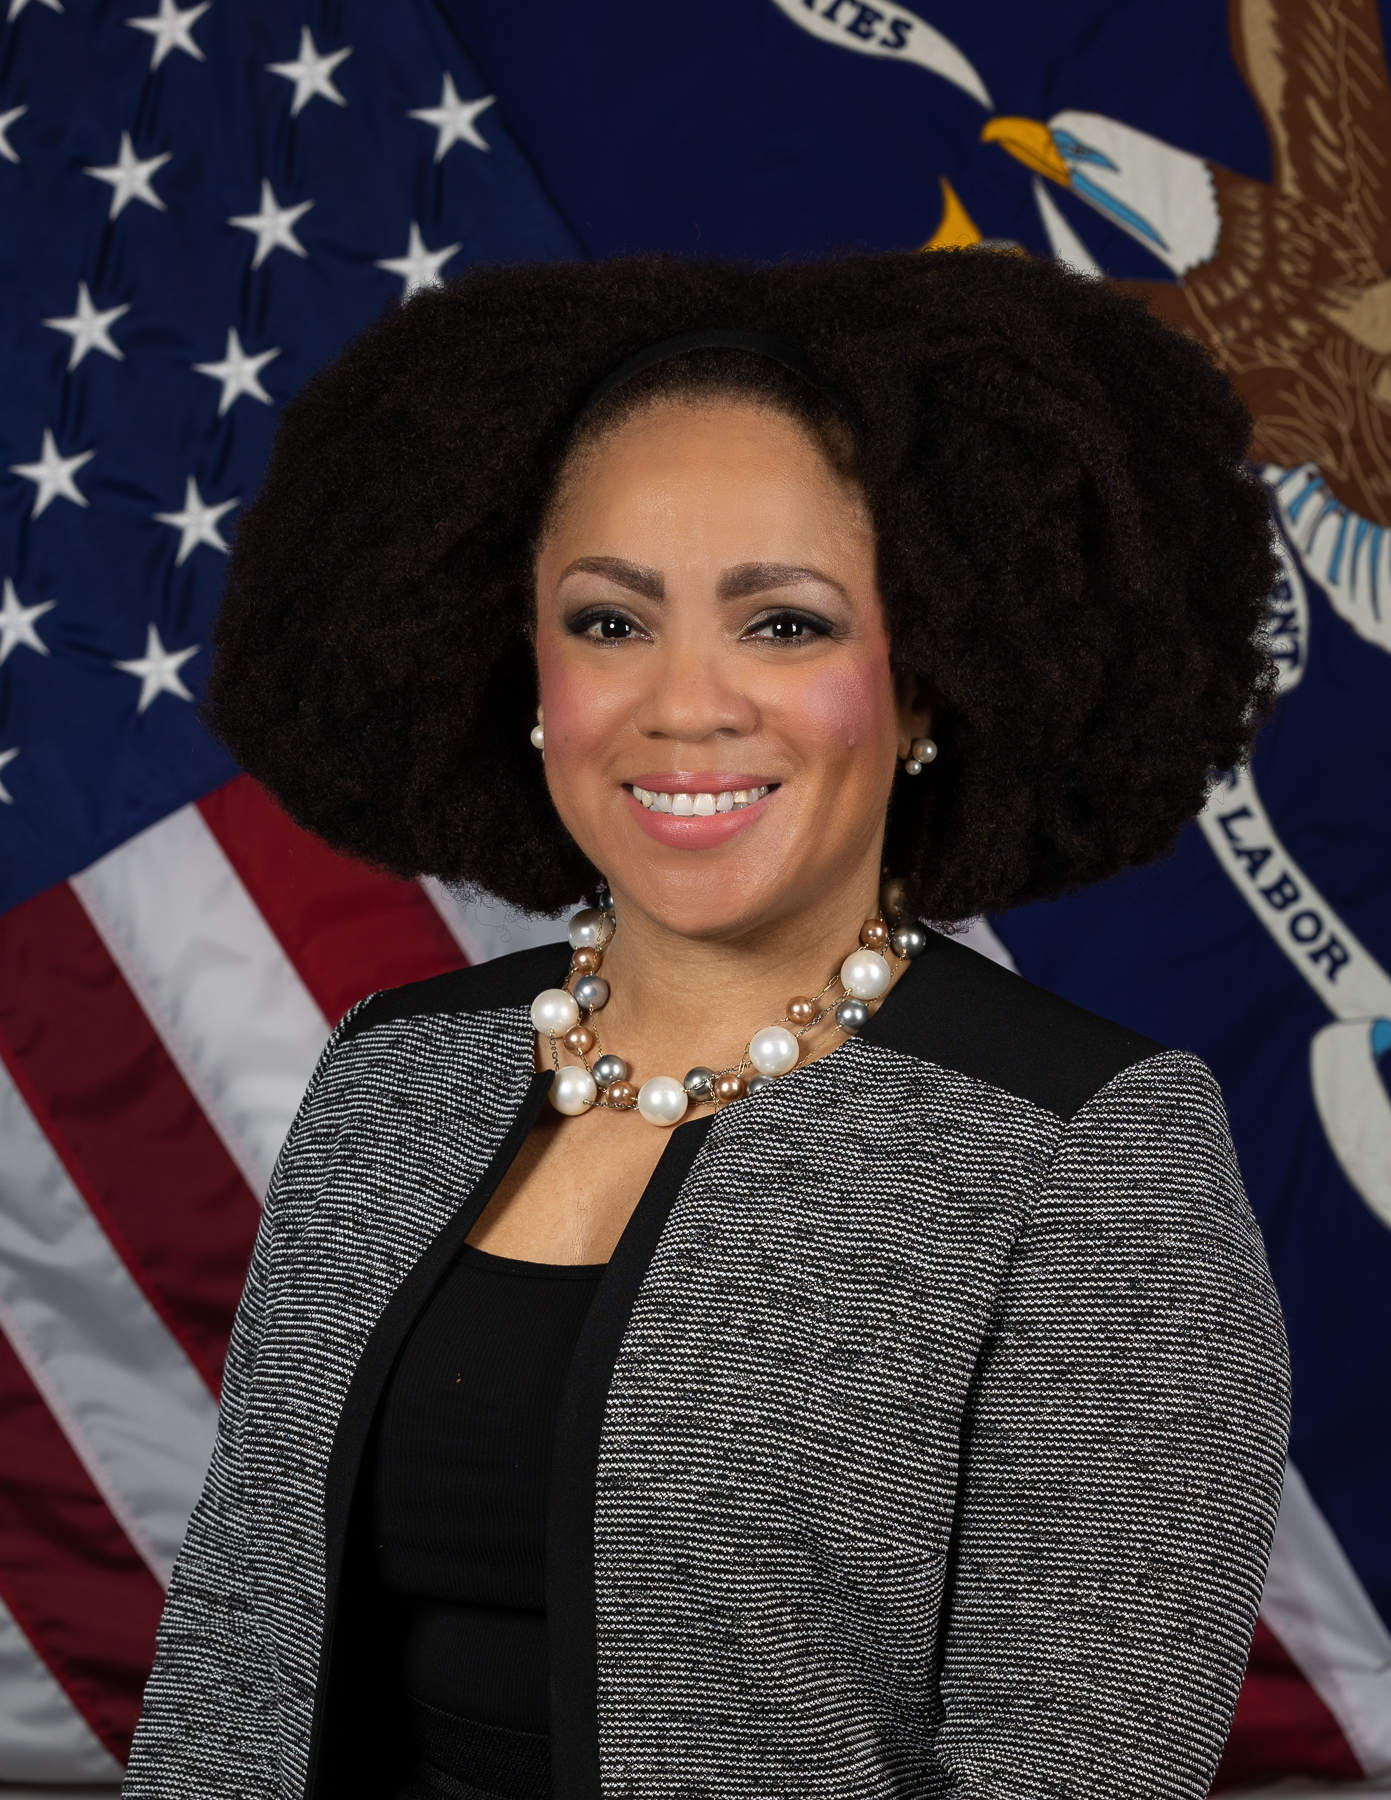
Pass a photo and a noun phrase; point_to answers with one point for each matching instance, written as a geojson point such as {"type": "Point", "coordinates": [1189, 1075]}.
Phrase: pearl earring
{"type": "Point", "coordinates": [538, 735]}
{"type": "Point", "coordinates": [921, 752]}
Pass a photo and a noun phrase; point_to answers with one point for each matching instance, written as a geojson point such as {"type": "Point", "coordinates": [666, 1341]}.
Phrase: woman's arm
{"type": "Point", "coordinates": [1122, 1462]}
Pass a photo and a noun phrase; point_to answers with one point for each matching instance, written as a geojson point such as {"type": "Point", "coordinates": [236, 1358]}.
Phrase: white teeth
{"type": "Point", "coordinates": [700, 806]}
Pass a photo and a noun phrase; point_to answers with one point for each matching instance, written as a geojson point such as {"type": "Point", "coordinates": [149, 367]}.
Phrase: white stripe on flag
{"type": "Point", "coordinates": [484, 928]}
{"type": "Point", "coordinates": [225, 999]}
{"type": "Point", "coordinates": [1321, 1613]}
{"type": "Point", "coordinates": [130, 1402]}
{"type": "Point", "coordinates": [43, 1737]}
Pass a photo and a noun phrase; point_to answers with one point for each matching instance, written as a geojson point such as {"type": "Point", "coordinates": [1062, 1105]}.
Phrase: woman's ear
{"type": "Point", "coordinates": [914, 703]}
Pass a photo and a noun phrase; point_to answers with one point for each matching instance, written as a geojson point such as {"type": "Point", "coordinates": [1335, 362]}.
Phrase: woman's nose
{"type": "Point", "coordinates": [693, 693]}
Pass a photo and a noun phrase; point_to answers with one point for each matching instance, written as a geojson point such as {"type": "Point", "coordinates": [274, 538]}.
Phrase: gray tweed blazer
{"type": "Point", "coordinates": [925, 1436]}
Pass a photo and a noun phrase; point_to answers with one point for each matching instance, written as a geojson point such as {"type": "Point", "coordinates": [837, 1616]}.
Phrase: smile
{"type": "Point", "coordinates": [699, 806]}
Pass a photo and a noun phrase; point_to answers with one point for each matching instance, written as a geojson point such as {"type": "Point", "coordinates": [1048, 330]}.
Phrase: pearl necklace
{"type": "Point", "coordinates": [864, 978]}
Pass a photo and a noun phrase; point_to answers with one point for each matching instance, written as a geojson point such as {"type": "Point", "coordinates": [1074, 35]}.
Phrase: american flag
{"type": "Point", "coordinates": [202, 202]}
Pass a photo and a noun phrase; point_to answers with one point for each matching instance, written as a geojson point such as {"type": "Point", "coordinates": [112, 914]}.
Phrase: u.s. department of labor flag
{"type": "Point", "coordinates": [1235, 162]}
{"type": "Point", "coordinates": [201, 203]}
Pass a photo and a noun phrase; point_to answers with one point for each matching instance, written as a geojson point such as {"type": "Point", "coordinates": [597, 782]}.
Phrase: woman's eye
{"type": "Point", "coordinates": [604, 628]}
{"type": "Point", "coordinates": [787, 628]}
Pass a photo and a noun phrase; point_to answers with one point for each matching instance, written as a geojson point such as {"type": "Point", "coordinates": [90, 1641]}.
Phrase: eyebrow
{"type": "Point", "coordinates": [759, 578]}
{"type": "Point", "coordinates": [735, 584]}
{"type": "Point", "coordinates": [625, 574]}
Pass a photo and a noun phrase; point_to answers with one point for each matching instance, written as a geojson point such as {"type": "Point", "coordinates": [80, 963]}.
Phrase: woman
{"type": "Point", "coordinates": [864, 1379]}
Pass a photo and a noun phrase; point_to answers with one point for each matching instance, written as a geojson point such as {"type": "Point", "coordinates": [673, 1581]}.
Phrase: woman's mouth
{"type": "Point", "coordinates": [705, 805]}
{"type": "Point", "coordinates": [673, 810]}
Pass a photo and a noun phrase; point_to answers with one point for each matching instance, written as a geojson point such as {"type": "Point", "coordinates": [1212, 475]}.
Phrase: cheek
{"type": "Point", "coordinates": [580, 709]}
{"type": "Point", "coordinates": [846, 706]}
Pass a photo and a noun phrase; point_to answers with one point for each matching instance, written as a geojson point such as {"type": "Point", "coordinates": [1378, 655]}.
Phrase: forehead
{"type": "Point", "coordinates": [705, 465]}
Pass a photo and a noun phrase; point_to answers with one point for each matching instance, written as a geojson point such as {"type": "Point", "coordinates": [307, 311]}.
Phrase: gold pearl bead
{"type": "Point", "coordinates": [578, 1040]}
{"type": "Point", "coordinates": [874, 934]}
{"type": "Point", "coordinates": [586, 961]}
{"type": "Point", "coordinates": [730, 1087]}
{"type": "Point", "coordinates": [801, 1011]}
{"type": "Point", "coordinates": [622, 1094]}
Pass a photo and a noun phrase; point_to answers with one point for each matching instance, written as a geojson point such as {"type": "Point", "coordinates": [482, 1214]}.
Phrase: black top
{"type": "Point", "coordinates": [459, 1483]}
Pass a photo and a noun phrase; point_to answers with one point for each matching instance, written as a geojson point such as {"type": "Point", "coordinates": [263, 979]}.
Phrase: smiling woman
{"type": "Point", "coordinates": [863, 1376]}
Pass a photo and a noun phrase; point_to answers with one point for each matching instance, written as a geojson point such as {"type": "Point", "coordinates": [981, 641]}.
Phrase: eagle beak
{"type": "Point", "coordinates": [1031, 143]}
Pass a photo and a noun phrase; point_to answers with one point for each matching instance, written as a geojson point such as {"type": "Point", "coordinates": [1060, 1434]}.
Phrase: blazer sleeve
{"type": "Point", "coordinates": [209, 1700]}
{"type": "Point", "coordinates": [1123, 1456]}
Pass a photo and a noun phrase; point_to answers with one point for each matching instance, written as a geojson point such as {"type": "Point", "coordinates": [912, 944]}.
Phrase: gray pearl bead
{"type": "Point", "coordinates": [757, 1082]}
{"type": "Point", "coordinates": [852, 1014]}
{"type": "Point", "coordinates": [699, 1082]}
{"type": "Point", "coordinates": [609, 1069]}
{"type": "Point", "coordinates": [908, 940]}
{"type": "Point", "coordinates": [591, 992]}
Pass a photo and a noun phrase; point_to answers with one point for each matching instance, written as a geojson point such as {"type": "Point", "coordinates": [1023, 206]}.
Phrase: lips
{"type": "Point", "coordinates": [697, 812]}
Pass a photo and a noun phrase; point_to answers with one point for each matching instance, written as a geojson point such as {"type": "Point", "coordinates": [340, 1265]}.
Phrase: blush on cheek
{"type": "Point", "coordinates": [848, 704]}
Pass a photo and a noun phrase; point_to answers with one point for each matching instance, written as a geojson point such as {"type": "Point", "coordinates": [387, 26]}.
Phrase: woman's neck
{"type": "Point", "coordinates": [679, 1000]}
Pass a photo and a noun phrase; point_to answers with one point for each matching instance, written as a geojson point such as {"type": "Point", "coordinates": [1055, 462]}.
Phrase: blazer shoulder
{"type": "Point", "coordinates": [483, 987]}
{"type": "Point", "coordinates": [959, 1009]}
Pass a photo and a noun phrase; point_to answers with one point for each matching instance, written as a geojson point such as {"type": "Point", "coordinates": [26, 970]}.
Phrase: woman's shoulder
{"type": "Point", "coordinates": [494, 986]}
{"type": "Point", "coordinates": [958, 1009]}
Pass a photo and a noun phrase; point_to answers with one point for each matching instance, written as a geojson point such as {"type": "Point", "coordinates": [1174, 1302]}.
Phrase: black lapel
{"type": "Point", "coordinates": [570, 1597]}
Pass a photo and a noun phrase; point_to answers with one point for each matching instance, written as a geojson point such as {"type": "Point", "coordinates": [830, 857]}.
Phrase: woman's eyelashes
{"type": "Point", "coordinates": [788, 627]}
{"type": "Point", "coordinates": [604, 625]}
{"type": "Point", "coordinates": [612, 625]}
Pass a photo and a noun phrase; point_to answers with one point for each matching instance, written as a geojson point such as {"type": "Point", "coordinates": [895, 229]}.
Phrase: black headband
{"type": "Point", "coordinates": [755, 343]}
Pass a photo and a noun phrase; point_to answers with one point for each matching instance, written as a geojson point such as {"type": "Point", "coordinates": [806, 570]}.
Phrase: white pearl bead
{"type": "Point", "coordinates": [590, 929]}
{"type": "Point", "coordinates": [662, 1100]}
{"type": "Point", "coordinates": [573, 1091]}
{"type": "Point", "coordinates": [924, 750]}
{"type": "Point", "coordinates": [774, 1050]}
{"type": "Point", "coordinates": [538, 738]}
{"type": "Point", "coordinates": [865, 974]}
{"type": "Point", "coordinates": [553, 1012]}
{"type": "Point", "coordinates": [912, 766]}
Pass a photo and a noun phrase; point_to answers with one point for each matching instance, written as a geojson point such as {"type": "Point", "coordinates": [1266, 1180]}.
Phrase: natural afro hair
{"type": "Point", "coordinates": [1071, 554]}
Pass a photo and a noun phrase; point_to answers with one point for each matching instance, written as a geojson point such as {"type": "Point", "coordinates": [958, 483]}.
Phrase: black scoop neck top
{"type": "Point", "coordinates": [460, 1478]}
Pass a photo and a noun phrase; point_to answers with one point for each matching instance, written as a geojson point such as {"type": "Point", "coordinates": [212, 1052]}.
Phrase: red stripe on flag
{"type": "Point", "coordinates": [120, 1116]}
{"type": "Point", "coordinates": [348, 929]}
{"type": "Point", "coordinates": [68, 1573]}
{"type": "Point", "coordinates": [1281, 1727]}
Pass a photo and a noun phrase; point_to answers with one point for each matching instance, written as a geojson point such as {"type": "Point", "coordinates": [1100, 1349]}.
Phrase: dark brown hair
{"type": "Point", "coordinates": [1071, 553]}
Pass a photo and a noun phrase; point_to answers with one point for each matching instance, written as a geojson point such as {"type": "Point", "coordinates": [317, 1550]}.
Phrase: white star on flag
{"type": "Point", "coordinates": [172, 30]}
{"type": "Point", "coordinates": [7, 149]}
{"type": "Point", "coordinates": [274, 225]}
{"type": "Point", "coordinates": [311, 73]}
{"type": "Point", "coordinates": [17, 623]}
{"type": "Point", "coordinates": [16, 8]}
{"type": "Point", "coordinates": [52, 475]}
{"type": "Point", "coordinates": [158, 670]}
{"type": "Point", "coordinates": [130, 178]}
{"type": "Point", "coordinates": [453, 119]}
{"type": "Point", "coordinates": [419, 267]}
{"type": "Point", "coordinates": [6, 756]}
{"type": "Point", "coordinates": [197, 522]}
{"type": "Point", "coordinates": [88, 328]}
{"type": "Point", "coordinates": [238, 372]}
